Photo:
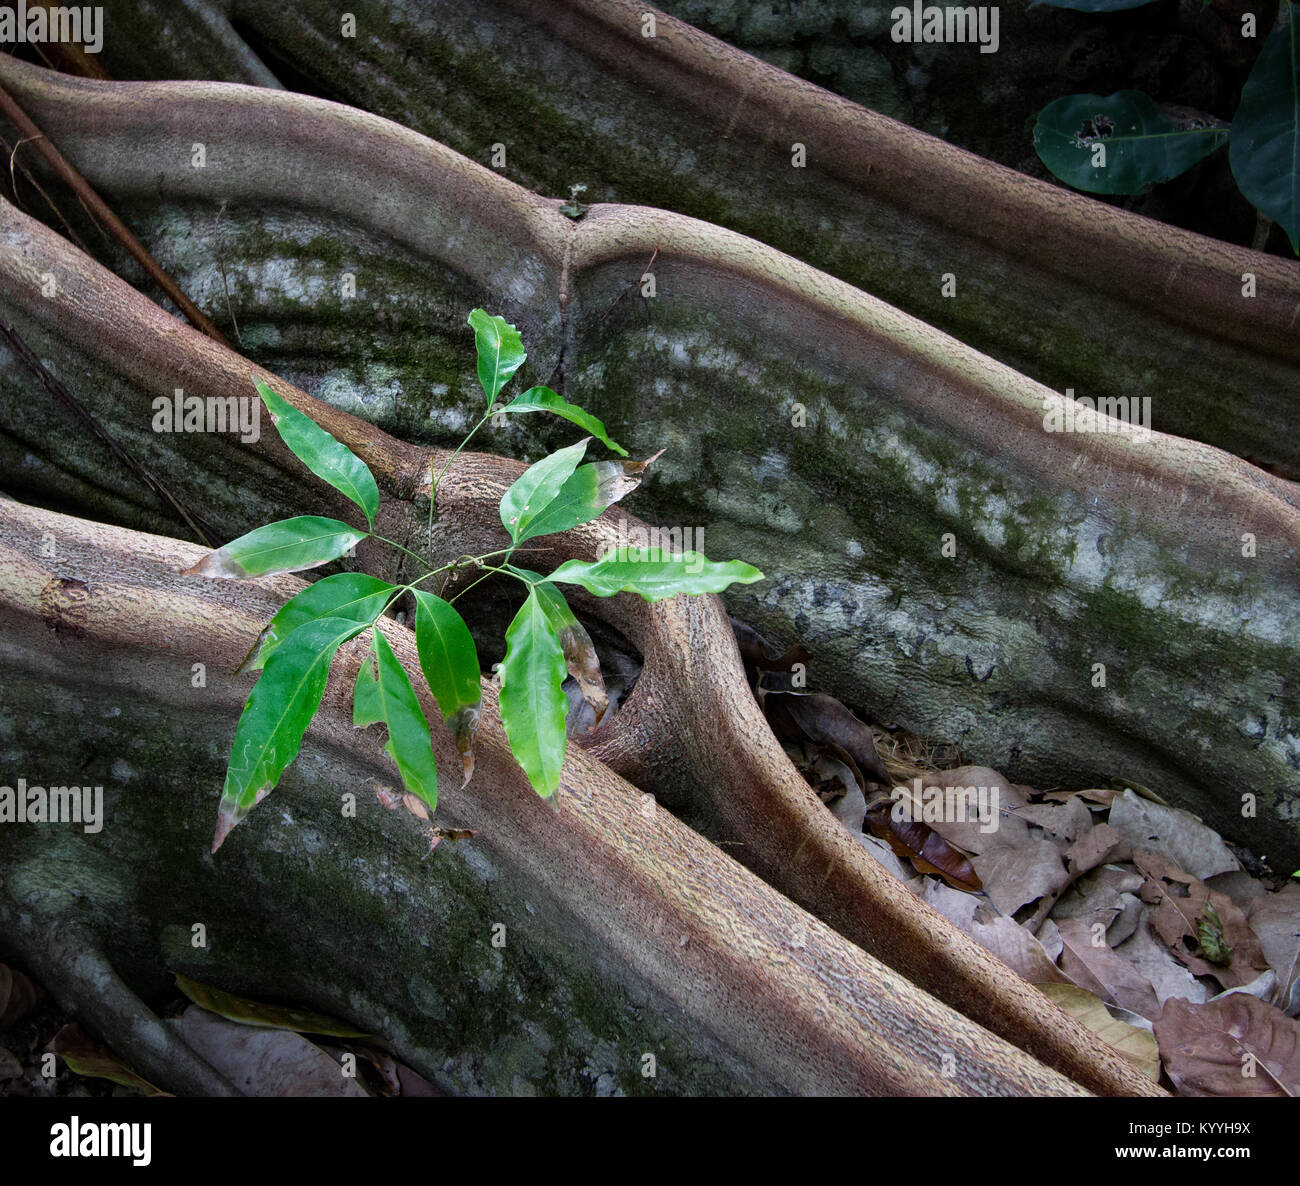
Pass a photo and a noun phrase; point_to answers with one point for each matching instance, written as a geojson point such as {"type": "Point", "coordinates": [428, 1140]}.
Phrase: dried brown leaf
{"type": "Point", "coordinates": [1103, 973]}
{"type": "Point", "coordinates": [583, 664]}
{"type": "Point", "coordinates": [1014, 877]}
{"type": "Point", "coordinates": [997, 933]}
{"type": "Point", "coordinates": [1096, 846]}
{"type": "Point", "coordinates": [1069, 819]}
{"type": "Point", "coordinates": [1235, 1045]}
{"type": "Point", "coordinates": [415, 806]}
{"type": "Point", "coordinates": [976, 834]}
{"type": "Point", "coordinates": [84, 1056]}
{"type": "Point", "coordinates": [1179, 919]}
{"type": "Point", "coordinates": [1153, 960]}
{"type": "Point", "coordinates": [813, 716]}
{"type": "Point", "coordinates": [922, 845]}
{"type": "Point", "coordinates": [760, 655]}
{"type": "Point", "coordinates": [265, 1062]}
{"type": "Point", "coordinates": [1178, 834]}
{"type": "Point", "coordinates": [1275, 919]}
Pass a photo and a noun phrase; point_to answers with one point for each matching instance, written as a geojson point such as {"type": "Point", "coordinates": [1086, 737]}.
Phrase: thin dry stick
{"type": "Point", "coordinates": [170, 502]}
{"type": "Point", "coordinates": [631, 286]}
{"type": "Point", "coordinates": [225, 287]}
{"type": "Point", "coordinates": [91, 199]}
{"type": "Point", "coordinates": [36, 185]}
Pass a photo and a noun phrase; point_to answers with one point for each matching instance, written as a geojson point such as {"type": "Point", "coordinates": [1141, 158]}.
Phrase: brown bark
{"type": "Point", "coordinates": [691, 728]}
{"type": "Point", "coordinates": [743, 975]}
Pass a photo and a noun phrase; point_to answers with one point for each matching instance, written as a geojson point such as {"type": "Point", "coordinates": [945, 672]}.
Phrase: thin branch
{"type": "Point", "coordinates": [91, 199]}
{"type": "Point", "coordinates": [221, 262]}
{"type": "Point", "coordinates": [170, 502]}
{"type": "Point", "coordinates": [631, 286]}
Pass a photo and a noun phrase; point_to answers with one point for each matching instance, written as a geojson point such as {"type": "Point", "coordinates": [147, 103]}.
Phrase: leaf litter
{"type": "Point", "coordinates": [1132, 915]}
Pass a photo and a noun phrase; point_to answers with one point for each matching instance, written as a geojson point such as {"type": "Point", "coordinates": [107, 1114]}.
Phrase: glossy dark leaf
{"type": "Point", "coordinates": [450, 664]}
{"type": "Point", "coordinates": [535, 489]}
{"type": "Point", "coordinates": [1144, 143]}
{"type": "Point", "coordinates": [579, 652]}
{"type": "Point", "coordinates": [533, 704]}
{"type": "Point", "coordinates": [500, 352]}
{"type": "Point", "coordinates": [322, 453]}
{"type": "Point", "coordinates": [276, 715]}
{"type": "Point", "coordinates": [351, 595]}
{"type": "Point", "coordinates": [1265, 148]}
{"type": "Point", "coordinates": [543, 399]}
{"type": "Point", "coordinates": [585, 494]}
{"type": "Point", "coordinates": [383, 696]}
{"type": "Point", "coordinates": [291, 545]}
{"type": "Point", "coordinates": [654, 573]}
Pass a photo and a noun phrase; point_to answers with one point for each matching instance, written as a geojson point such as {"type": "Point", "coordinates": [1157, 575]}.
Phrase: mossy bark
{"type": "Point", "coordinates": [574, 94]}
{"type": "Point", "coordinates": [1168, 564]}
{"type": "Point", "coordinates": [592, 944]}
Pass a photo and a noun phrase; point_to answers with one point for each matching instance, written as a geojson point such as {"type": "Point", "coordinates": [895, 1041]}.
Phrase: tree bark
{"type": "Point", "coordinates": [692, 685]}
{"type": "Point", "coordinates": [625, 933]}
{"type": "Point", "coordinates": [1155, 559]}
{"type": "Point", "coordinates": [1063, 288]}
{"type": "Point", "coordinates": [915, 436]}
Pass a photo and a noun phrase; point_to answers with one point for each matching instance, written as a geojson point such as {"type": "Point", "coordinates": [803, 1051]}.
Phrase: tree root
{"type": "Point", "coordinates": [691, 728]}
{"type": "Point", "coordinates": [744, 978]}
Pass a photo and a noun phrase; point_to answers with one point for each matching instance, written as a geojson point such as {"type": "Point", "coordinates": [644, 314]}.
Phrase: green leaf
{"type": "Point", "coordinates": [1265, 148]}
{"type": "Point", "coordinates": [543, 399]}
{"type": "Point", "coordinates": [450, 664]}
{"type": "Point", "coordinates": [276, 715]}
{"type": "Point", "coordinates": [585, 494]}
{"type": "Point", "coordinates": [383, 695]}
{"type": "Point", "coordinates": [654, 573]}
{"type": "Point", "coordinates": [500, 352]}
{"type": "Point", "coordinates": [536, 487]}
{"type": "Point", "coordinates": [580, 656]}
{"type": "Point", "coordinates": [1209, 937]}
{"type": "Point", "coordinates": [290, 545]}
{"type": "Point", "coordinates": [321, 453]}
{"type": "Point", "coordinates": [533, 703]}
{"type": "Point", "coordinates": [351, 595]}
{"type": "Point", "coordinates": [1144, 143]}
